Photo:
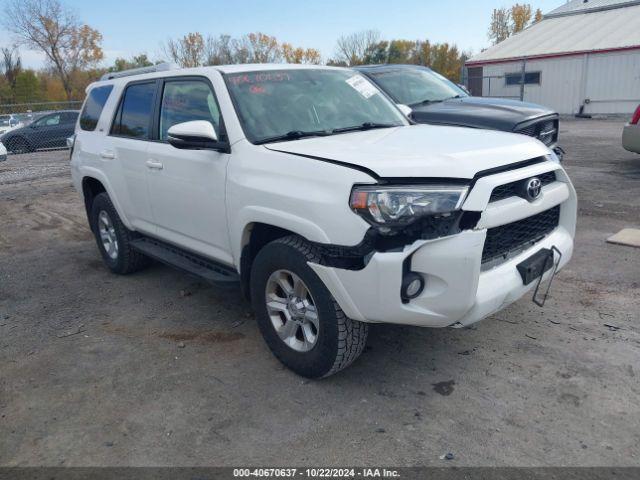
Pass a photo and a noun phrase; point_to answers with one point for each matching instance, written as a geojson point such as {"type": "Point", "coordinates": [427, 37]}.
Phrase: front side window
{"type": "Point", "coordinates": [93, 107]}
{"type": "Point", "coordinates": [186, 101]}
{"type": "Point", "coordinates": [49, 121]}
{"type": "Point", "coordinates": [289, 103]}
{"type": "Point", "coordinates": [134, 115]}
{"type": "Point", "coordinates": [413, 86]}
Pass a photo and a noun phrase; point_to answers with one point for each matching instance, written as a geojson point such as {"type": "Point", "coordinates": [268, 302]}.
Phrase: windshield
{"type": "Point", "coordinates": [5, 120]}
{"type": "Point", "coordinates": [306, 102]}
{"type": "Point", "coordinates": [412, 86]}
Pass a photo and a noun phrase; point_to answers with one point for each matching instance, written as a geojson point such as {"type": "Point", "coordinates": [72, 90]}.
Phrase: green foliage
{"type": "Point", "coordinates": [137, 61]}
{"type": "Point", "coordinates": [27, 87]}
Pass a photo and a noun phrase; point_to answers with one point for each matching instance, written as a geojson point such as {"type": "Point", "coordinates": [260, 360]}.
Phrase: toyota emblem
{"type": "Point", "coordinates": [533, 188]}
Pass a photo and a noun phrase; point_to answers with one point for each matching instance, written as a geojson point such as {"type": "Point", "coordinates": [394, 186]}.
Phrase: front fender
{"type": "Point", "coordinates": [240, 225]}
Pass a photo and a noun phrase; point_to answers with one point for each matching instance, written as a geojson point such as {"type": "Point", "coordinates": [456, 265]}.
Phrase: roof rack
{"type": "Point", "coordinates": [160, 67]}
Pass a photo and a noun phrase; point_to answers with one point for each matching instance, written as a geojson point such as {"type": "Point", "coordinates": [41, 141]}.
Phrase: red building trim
{"type": "Point", "coordinates": [480, 63]}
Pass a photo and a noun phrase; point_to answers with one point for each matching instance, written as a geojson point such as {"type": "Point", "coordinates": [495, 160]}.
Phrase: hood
{"type": "Point", "coordinates": [478, 112]}
{"type": "Point", "coordinates": [419, 150]}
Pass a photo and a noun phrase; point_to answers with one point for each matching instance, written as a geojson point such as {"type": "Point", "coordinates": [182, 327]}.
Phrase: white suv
{"type": "Point", "coordinates": [309, 187]}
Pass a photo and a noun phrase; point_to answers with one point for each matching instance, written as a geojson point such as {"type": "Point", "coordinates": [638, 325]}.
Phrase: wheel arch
{"type": "Point", "coordinates": [92, 183]}
{"type": "Point", "coordinates": [255, 236]}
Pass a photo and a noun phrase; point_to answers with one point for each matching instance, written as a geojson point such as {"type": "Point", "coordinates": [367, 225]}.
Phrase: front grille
{"type": "Point", "coordinates": [546, 131]}
{"type": "Point", "coordinates": [506, 240]}
{"type": "Point", "coordinates": [515, 189]}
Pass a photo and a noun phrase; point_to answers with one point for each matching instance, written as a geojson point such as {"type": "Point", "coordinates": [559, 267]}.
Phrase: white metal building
{"type": "Point", "coordinates": [584, 54]}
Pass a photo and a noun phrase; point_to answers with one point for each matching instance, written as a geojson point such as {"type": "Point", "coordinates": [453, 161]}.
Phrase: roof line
{"type": "Point", "coordinates": [601, 8]}
{"type": "Point", "coordinates": [477, 63]}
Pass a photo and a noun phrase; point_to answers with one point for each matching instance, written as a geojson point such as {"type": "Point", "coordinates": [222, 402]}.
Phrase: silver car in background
{"type": "Point", "coordinates": [631, 133]}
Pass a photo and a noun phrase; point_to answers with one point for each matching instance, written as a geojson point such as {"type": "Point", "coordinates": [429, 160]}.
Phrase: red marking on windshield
{"type": "Point", "coordinates": [257, 89]}
{"type": "Point", "coordinates": [261, 77]}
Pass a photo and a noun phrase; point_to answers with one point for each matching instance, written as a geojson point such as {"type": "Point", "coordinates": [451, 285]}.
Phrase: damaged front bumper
{"type": "Point", "coordinates": [458, 288]}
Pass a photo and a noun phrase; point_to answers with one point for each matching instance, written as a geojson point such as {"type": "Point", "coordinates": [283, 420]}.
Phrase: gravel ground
{"type": "Point", "coordinates": [160, 369]}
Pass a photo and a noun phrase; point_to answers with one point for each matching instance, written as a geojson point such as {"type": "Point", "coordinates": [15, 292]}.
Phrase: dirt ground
{"type": "Point", "coordinates": [160, 369]}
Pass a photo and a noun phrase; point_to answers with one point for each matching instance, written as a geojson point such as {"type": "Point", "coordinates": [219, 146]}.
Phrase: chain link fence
{"type": "Point", "coordinates": [37, 126]}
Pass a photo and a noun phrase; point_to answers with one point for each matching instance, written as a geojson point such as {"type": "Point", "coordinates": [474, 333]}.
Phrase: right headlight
{"type": "Point", "coordinates": [397, 206]}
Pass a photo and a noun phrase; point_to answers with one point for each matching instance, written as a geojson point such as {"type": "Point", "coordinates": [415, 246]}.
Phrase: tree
{"type": "Point", "coordinates": [499, 28]}
{"type": "Point", "coordinates": [401, 51]}
{"type": "Point", "coordinates": [355, 48]}
{"type": "Point", "coordinates": [219, 51]}
{"type": "Point", "coordinates": [27, 87]}
{"type": "Point", "coordinates": [48, 26]}
{"type": "Point", "coordinates": [538, 16]}
{"type": "Point", "coordinates": [11, 65]}
{"type": "Point", "coordinates": [188, 51]}
{"type": "Point", "coordinates": [300, 55]}
{"type": "Point", "coordinates": [378, 53]}
{"type": "Point", "coordinates": [263, 48]}
{"type": "Point", "coordinates": [137, 61]}
{"type": "Point", "coordinates": [520, 17]}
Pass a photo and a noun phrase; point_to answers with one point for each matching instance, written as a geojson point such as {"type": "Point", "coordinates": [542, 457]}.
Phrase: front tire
{"type": "Point", "coordinates": [301, 322]}
{"type": "Point", "coordinates": [113, 238]}
{"type": "Point", "coordinates": [19, 145]}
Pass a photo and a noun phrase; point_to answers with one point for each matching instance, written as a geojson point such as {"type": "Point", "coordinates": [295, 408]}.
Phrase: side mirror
{"type": "Point", "coordinates": [405, 109]}
{"type": "Point", "coordinates": [195, 135]}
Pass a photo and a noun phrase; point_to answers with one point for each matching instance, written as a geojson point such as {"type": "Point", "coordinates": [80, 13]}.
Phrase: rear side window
{"type": "Point", "coordinates": [134, 115]}
{"type": "Point", "coordinates": [93, 107]}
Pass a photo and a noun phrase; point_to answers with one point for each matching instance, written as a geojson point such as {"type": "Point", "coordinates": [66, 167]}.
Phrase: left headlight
{"type": "Point", "coordinates": [396, 206]}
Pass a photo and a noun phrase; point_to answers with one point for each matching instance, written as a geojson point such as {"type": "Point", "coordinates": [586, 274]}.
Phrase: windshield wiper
{"type": "Point", "coordinates": [364, 126]}
{"type": "Point", "coordinates": [293, 135]}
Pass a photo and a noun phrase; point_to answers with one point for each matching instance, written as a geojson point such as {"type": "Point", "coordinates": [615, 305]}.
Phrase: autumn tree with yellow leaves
{"type": "Point", "coordinates": [49, 27]}
{"type": "Point", "coordinates": [509, 21]}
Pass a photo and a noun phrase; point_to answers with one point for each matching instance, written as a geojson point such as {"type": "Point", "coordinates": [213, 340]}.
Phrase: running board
{"type": "Point", "coordinates": [189, 262]}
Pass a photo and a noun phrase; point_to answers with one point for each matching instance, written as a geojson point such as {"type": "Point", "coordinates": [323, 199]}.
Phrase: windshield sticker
{"type": "Point", "coordinates": [362, 86]}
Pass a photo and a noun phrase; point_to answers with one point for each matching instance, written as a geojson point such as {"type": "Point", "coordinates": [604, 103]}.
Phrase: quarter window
{"type": "Point", "coordinates": [186, 101]}
{"type": "Point", "coordinates": [134, 115]}
{"type": "Point", "coordinates": [93, 107]}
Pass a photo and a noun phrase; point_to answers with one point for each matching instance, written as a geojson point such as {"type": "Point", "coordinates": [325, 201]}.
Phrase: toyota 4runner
{"type": "Point", "coordinates": [310, 189]}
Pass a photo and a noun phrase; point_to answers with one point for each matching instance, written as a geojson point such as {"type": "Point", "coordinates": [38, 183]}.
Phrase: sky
{"type": "Point", "coordinates": [130, 27]}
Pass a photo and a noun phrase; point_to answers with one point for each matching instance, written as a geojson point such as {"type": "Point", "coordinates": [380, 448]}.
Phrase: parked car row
{"type": "Point", "coordinates": [310, 188]}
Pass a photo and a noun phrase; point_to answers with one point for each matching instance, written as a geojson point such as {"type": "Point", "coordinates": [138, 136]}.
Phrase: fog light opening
{"type": "Point", "coordinates": [412, 286]}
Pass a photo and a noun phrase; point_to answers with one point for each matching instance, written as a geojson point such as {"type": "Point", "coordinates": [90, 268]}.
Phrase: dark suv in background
{"type": "Point", "coordinates": [49, 131]}
{"type": "Point", "coordinates": [436, 100]}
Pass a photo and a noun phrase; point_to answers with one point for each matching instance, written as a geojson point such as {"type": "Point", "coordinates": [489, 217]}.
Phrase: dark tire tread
{"type": "Point", "coordinates": [129, 259]}
{"type": "Point", "coordinates": [352, 334]}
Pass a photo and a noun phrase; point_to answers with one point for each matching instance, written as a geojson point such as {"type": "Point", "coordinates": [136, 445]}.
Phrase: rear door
{"type": "Point", "coordinates": [187, 187]}
{"type": "Point", "coordinates": [127, 146]}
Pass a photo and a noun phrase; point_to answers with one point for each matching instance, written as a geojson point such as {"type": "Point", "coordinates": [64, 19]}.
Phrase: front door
{"type": "Point", "coordinates": [187, 187]}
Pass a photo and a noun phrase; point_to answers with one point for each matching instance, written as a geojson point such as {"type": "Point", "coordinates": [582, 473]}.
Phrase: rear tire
{"type": "Point", "coordinates": [113, 238]}
{"type": "Point", "coordinates": [312, 349]}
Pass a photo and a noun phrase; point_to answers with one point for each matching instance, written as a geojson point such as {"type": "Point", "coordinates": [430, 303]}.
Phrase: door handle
{"type": "Point", "coordinates": [107, 155]}
{"type": "Point", "coordinates": [154, 165]}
